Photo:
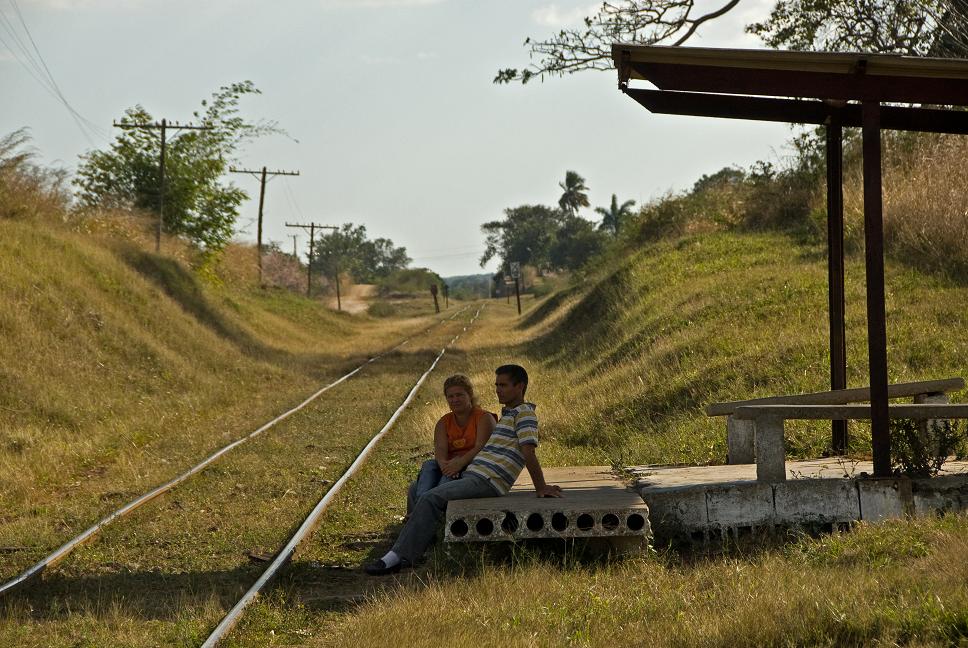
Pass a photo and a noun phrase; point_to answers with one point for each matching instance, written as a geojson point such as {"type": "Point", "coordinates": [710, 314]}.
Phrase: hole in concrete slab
{"type": "Point", "coordinates": [484, 527]}
{"type": "Point", "coordinates": [510, 522]}
{"type": "Point", "coordinates": [585, 522]}
{"type": "Point", "coordinates": [535, 522]}
{"type": "Point", "coordinates": [559, 521]}
{"type": "Point", "coordinates": [458, 529]}
{"type": "Point", "coordinates": [609, 521]}
{"type": "Point", "coordinates": [635, 522]}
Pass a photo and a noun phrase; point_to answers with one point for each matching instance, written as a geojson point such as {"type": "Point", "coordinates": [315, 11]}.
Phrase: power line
{"type": "Point", "coordinates": [261, 175]}
{"type": "Point", "coordinates": [40, 71]}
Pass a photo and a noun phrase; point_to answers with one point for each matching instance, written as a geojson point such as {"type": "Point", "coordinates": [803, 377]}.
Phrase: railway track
{"type": "Point", "coordinates": [309, 524]}
{"type": "Point", "coordinates": [93, 531]}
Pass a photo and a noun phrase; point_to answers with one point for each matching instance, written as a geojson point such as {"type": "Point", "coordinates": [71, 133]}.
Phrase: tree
{"type": "Point", "coordinates": [349, 250]}
{"type": "Point", "coordinates": [525, 235]}
{"type": "Point", "coordinates": [198, 205]}
{"type": "Point", "coordinates": [912, 27]}
{"type": "Point", "coordinates": [933, 27]}
{"type": "Point", "coordinates": [574, 195]}
{"type": "Point", "coordinates": [576, 241]}
{"type": "Point", "coordinates": [615, 215]}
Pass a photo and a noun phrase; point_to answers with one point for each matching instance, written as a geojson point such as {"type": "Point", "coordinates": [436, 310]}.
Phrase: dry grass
{"type": "Point", "coordinates": [815, 593]}
{"type": "Point", "coordinates": [925, 202]}
{"type": "Point", "coordinates": [120, 368]}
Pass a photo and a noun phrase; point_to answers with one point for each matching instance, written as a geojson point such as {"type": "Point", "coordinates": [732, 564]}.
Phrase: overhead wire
{"type": "Point", "coordinates": [37, 67]}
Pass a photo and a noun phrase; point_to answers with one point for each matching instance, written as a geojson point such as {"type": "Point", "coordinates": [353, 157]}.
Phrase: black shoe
{"type": "Point", "coordinates": [379, 568]}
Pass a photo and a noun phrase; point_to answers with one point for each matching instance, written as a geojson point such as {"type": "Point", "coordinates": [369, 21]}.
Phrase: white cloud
{"type": "Point", "coordinates": [6, 55]}
{"type": "Point", "coordinates": [553, 16]}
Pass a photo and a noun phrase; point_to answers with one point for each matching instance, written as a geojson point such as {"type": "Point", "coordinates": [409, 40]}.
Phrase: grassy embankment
{"type": "Point", "coordinates": [119, 370]}
{"type": "Point", "coordinates": [621, 370]}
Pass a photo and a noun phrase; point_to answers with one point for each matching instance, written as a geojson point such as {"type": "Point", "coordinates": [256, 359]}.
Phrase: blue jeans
{"type": "Point", "coordinates": [429, 477]}
{"type": "Point", "coordinates": [429, 511]}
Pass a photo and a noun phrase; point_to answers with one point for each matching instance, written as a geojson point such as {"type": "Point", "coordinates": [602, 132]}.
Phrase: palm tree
{"type": "Point", "coordinates": [575, 195]}
{"type": "Point", "coordinates": [614, 216]}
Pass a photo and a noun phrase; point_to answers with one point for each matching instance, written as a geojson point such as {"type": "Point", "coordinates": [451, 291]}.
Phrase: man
{"type": "Point", "coordinates": [493, 471]}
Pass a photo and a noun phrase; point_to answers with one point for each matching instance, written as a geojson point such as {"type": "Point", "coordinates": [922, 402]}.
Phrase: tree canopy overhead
{"type": "Point", "coordinates": [915, 27]}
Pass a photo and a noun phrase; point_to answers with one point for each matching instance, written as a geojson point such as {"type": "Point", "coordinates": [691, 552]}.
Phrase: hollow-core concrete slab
{"type": "Point", "coordinates": [594, 503]}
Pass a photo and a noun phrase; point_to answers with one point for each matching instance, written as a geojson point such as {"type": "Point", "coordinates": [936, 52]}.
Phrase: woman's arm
{"type": "Point", "coordinates": [440, 443]}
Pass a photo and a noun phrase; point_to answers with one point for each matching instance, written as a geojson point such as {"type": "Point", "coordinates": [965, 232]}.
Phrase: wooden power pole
{"type": "Point", "coordinates": [162, 126]}
{"type": "Point", "coordinates": [312, 227]}
{"type": "Point", "coordinates": [262, 198]}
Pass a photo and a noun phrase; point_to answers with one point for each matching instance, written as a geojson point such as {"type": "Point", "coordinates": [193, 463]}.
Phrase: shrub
{"type": "Point", "coordinates": [382, 309]}
{"type": "Point", "coordinates": [920, 451]}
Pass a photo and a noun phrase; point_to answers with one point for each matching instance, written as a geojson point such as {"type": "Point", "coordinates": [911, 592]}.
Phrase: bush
{"type": "Point", "coordinates": [27, 190]}
{"type": "Point", "coordinates": [542, 290]}
{"type": "Point", "coordinates": [410, 280]}
{"type": "Point", "coordinates": [920, 452]}
{"type": "Point", "coordinates": [382, 309]}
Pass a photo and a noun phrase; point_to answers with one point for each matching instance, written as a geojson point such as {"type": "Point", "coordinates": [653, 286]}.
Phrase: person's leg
{"type": "Point", "coordinates": [429, 477]}
{"type": "Point", "coordinates": [411, 497]}
{"type": "Point", "coordinates": [429, 511]}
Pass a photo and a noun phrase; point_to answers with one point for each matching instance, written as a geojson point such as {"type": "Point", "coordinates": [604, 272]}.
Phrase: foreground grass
{"type": "Point", "coordinates": [899, 583]}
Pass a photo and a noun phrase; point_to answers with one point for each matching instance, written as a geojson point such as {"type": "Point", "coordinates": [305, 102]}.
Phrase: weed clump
{"type": "Point", "coordinates": [920, 450]}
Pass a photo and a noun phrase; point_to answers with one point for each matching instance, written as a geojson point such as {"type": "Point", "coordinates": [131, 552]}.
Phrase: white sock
{"type": "Point", "coordinates": [391, 559]}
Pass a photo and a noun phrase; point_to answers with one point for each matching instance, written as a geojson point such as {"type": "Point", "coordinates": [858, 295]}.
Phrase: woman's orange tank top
{"type": "Point", "coordinates": [461, 439]}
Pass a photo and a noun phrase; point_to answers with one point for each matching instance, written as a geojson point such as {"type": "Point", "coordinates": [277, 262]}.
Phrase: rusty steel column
{"type": "Point", "coordinates": [876, 318]}
{"type": "Point", "coordinates": [835, 271]}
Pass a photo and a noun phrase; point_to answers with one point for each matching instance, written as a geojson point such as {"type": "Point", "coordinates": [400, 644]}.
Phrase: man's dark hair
{"type": "Point", "coordinates": [516, 373]}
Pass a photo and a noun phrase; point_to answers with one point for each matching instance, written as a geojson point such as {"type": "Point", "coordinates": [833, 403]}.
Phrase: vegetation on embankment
{"type": "Point", "coordinates": [925, 199]}
{"type": "Point", "coordinates": [120, 367]}
{"type": "Point", "coordinates": [622, 365]}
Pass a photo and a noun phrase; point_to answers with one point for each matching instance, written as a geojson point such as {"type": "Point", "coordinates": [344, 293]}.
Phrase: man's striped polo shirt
{"type": "Point", "coordinates": [500, 460]}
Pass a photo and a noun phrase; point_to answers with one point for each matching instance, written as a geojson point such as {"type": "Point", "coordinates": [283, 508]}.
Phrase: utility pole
{"type": "Point", "coordinates": [262, 197]}
{"type": "Point", "coordinates": [163, 126]}
{"type": "Point", "coordinates": [312, 227]}
{"type": "Point", "coordinates": [294, 237]}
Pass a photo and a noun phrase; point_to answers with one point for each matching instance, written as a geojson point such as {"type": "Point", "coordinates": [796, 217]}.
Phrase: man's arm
{"type": "Point", "coordinates": [537, 476]}
{"type": "Point", "coordinates": [485, 425]}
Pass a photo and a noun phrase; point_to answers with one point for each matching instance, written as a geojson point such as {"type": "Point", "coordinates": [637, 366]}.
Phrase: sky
{"type": "Point", "coordinates": [392, 118]}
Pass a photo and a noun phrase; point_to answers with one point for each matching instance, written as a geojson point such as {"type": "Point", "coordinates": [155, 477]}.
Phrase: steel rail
{"type": "Point", "coordinates": [64, 550]}
{"type": "Point", "coordinates": [309, 524]}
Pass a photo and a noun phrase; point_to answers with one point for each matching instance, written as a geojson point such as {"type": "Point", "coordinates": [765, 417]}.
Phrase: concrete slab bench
{"type": "Point", "coordinates": [768, 423]}
{"type": "Point", "coordinates": [739, 432]}
{"type": "Point", "coordinates": [594, 503]}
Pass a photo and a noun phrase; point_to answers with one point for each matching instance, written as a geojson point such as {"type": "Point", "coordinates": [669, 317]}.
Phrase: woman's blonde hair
{"type": "Point", "coordinates": [462, 381]}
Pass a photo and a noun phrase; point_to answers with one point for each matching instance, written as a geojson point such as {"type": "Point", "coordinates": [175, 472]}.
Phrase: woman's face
{"type": "Point", "coordinates": [458, 399]}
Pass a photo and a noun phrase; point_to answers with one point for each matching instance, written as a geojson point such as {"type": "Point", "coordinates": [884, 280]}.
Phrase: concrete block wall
{"type": "Point", "coordinates": [701, 512]}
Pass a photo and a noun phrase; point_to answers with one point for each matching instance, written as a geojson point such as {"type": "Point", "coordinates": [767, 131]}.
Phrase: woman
{"type": "Point", "coordinates": [458, 436]}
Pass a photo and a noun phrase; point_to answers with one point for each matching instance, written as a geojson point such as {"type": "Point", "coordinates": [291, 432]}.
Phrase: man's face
{"type": "Point", "coordinates": [507, 391]}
